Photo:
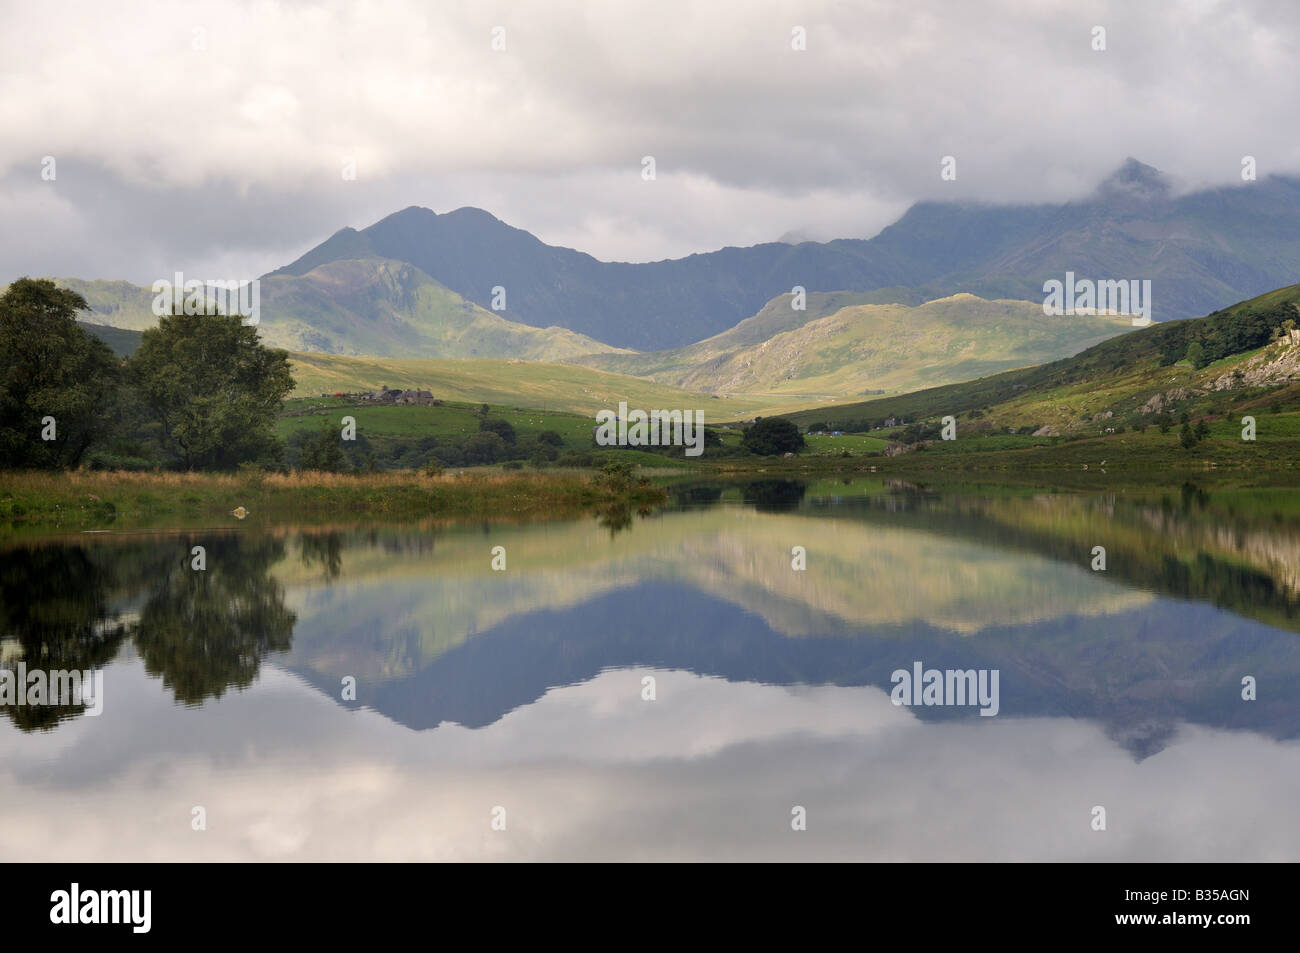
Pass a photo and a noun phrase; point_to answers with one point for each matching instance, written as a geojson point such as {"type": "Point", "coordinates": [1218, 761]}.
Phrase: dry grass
{"type": "Point", "coordinates": [53, 502]}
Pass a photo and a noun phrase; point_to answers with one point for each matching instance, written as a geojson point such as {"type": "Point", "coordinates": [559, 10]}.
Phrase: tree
{"type": "Point", "coordinates": [214, 387]}
{"type": "Point", "coordinates": [1195, 354]}
{"type": "Point", "coordinates": [771, 436]}
{"type": "Point", "coordinates": [321, 451]}
{"type": "Point", "coordinates": [485, 447]}
{"type": "Point", "coordinates": [551, 438]}
{"type": "Point", "coordinates": [51, 368]}
{"type": "Point", "coordinates": [501, 428]}
{"type": "Point", "coordinates": [1187, 436]}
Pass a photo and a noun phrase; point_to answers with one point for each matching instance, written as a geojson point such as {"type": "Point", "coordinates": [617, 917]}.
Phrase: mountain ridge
{"type": "Point", "coordinates": [1201, 250]}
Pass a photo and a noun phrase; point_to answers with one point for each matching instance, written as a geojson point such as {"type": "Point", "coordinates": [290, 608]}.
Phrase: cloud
{"type": "Point", "coordinates": [708, 771]}
{"type": "Point", "coordinates": [218, 135]}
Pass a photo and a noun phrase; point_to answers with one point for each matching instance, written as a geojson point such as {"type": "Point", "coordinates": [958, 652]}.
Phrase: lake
{"type": "Point", "coordinates": [669, 686]}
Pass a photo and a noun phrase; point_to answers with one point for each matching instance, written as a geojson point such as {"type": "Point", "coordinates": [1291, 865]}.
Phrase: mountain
{"type": "Point", "coordinates": [861, 348]}
{"type": "Point", "coordinates": [121, 341]}
{"type": "Point", "coordinates": [360, 306]}
{"type": "Point", "coordinates": [390, 308]}
{"type": "Point", "coordinates": [1201, 251]}
{"type": "Point", "coordinates": [645, 306]}
{"type": "Point", "coordinates": [1228, 359]}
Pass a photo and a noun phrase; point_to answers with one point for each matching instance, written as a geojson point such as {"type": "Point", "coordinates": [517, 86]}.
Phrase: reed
{"type": "Point", "coordinates": [42, 501]}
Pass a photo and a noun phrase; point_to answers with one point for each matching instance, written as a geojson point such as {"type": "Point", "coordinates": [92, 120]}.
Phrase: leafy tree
{"type": "Point", "coordinates": [322, 451]}
{"type": "Point", "coordinates": [616, 475]}
{"type": "Point", "coordinates": [771, 436]}
{"type": "Point", "coordinates": [1195, 354]}
{"type": "Point", "coordinates": [502, 428]}
{"type": "Point", "coordinates": [486, 447]}
{"type": "Point", "coordinates": [49, 367]}
{"type": "Point", "coordinates": [1202, 429]}
{"type": "Point", "coordinates": [214, 387]}
{"type": "Point", "coordinates": [1187, 437]}
{"type": "Point", "coordinates": [550, 437]}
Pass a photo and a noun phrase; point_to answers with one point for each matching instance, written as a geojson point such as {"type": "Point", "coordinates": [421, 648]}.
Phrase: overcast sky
{"type": "Point", "coordinates": [211, 137]}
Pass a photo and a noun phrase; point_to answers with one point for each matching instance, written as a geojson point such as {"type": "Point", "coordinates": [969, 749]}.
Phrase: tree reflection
{"type": "Point", "coordinates": [71, 608]}
{"type": "Point", "coordinates": [774, 496]}
{"type": "Point", "coordinates": [324, 550]}
{"type": "Point", "coordinates": [55, 614]}
{"type": "Point", "coordinates": [206, 631]}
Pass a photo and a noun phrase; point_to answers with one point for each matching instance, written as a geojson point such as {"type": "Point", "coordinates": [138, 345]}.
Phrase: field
{"type": "Point", "coordinates": [397, 431]}
{"type": "Point", "coordinates": [548, 386]}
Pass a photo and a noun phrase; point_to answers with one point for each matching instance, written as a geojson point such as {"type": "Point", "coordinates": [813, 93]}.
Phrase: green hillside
{"type": "Point", "coordinates": [538, 384]}
{"type": "Point", "coordinates": [392, 309]}
{"type": "Point", "coordinates": [122, 342]}
{"type": "Point", "coordinates": [118, 304]}
{"type": "Point", "coordinates": [1131, 394]}
{"type": "Point", "coordinates": [848, 348]}
{"type": "Point", "coordinates": [372, 306]}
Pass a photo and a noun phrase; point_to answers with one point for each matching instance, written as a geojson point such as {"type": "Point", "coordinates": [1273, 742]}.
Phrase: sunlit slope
{"type": "Point", "coordinates": [392, 309]}
{"type": "Point", "coordinates": [359, 306]}
{"type": "Point", "coordinates": [1128, 378]}
{"type": "Point", "coordinates": [862, 348]}
{"type": "Point", "coordinates": [536, 384]}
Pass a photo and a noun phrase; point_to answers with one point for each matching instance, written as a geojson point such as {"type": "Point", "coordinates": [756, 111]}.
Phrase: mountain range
{"type": "Point", "coordinates": [949, 292]}
{"type": "Point", "coordinates": [1201, 251]}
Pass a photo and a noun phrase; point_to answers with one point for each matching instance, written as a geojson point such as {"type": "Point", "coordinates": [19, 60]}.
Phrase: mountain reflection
{"type": "Point", "coordinates": [1200, 591]}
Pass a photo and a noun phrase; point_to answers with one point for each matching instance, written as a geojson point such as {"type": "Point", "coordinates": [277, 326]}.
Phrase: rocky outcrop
{"type": "Point", "coordinates": [1159, 403]}
{"type": "Point", "coordinates": [1276, 364]}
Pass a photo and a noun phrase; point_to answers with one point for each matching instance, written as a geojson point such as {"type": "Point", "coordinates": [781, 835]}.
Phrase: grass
{"type": "Point", "coordinates": [853, 442]}
{"type": "Point", "coordinates": [549, 386]}
{"type": "Point", "coordinates": [448, 420]}
{"type": "Point", "coordinates": [864, 348]}
{"type": "Point", "coordinates": [36, 501]}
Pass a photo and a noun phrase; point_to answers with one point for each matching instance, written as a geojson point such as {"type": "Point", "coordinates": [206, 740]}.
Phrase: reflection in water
{"type": "Point", "coordinates": [205, 632]}
{"type": "Point", "coordinates": [55, 613]}
{"type": "Point", "coordinates": [200, 631]}
{"type": "Point", "coordinates": [324, 550]}
{"type": "Point", "coordinates": [617, 516]}
{"type": "Point", "coordinates": [774, 496]}
{"type": "Point", "coordinates": [1137, 670]}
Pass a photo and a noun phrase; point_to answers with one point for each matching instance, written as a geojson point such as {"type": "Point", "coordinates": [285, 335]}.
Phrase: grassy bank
{"type": "Point", "coordinates": [34, 502]}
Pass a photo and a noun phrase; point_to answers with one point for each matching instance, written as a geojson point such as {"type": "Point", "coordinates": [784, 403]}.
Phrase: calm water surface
{"type": "Point", "coordinates": [523, 690]}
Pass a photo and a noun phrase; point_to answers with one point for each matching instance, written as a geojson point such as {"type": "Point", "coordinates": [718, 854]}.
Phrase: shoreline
{"type": "Point", "coordinates": [45, 503]}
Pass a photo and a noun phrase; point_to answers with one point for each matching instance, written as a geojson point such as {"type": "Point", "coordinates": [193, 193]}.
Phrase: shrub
{"type": "Point", "coordinates": [502, 428]}
{"type": "Point", "coordinates": [773, 436]}
{"type": "Point", "coordinates": [484, 448]}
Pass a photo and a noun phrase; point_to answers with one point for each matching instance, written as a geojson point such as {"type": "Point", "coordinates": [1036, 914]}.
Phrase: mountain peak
{"type": "Point", "coordinates": [1135, 180]}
